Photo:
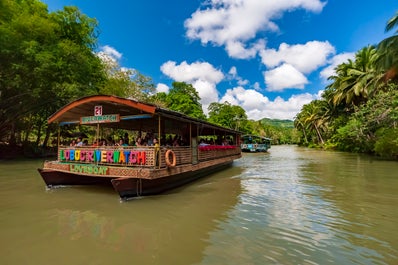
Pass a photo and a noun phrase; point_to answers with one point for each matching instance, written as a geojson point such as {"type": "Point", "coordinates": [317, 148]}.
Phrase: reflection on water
{"type": "Point", "coordinates": [290, 206]}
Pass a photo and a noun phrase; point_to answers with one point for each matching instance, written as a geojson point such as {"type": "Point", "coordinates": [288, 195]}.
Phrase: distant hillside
{"type": "Point", "coordinates": [278, 123]}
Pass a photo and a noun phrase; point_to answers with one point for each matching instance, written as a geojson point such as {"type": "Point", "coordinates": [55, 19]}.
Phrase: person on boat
{"type": "Point", "coordinates": [110, 141]}
{"type": "Point", "coordinates": [148, 138]}
{"type": "Point", "coordinates": [157, 149]}
{"type": "Point", "coordinates": [79, 142]}
{"type": "Point", "coordinates": [138, 142]}
{"type": "Point", "coordinates": [122, 143]}
{"type": "Point", "coordinates": [225, 141]}
{"type": "Point", "coordinates": [203, 143]}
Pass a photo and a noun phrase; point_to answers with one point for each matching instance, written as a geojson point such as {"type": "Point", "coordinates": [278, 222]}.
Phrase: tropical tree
{"type": "Point", "coordinates": [46, 61]}
{"type": "Point", "coordinates": [227, 115]}
{"type": "Point", "coordinates": [124, 82]}
{"type": "Point", "coordinates": [355, 80]}
{"type": "Point", "coordinates": [388, 50]}
{"type": "Point", "coordinates": [184, 98]}
{"type": "Point", "coordinates": [312, 121]}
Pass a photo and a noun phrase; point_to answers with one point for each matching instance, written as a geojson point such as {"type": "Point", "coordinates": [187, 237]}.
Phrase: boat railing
{"type": "Point", "coordinates": [208, 152]}
{"type": "Point", "coordinates": [145, 156]}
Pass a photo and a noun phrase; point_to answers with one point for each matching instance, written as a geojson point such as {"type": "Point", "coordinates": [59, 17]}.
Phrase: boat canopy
{"type": "Point", "coordinates": [248, 138]}
{"type": "Point", "coordinates": [129, 114]}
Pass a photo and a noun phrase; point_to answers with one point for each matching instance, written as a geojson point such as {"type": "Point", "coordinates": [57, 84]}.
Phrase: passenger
{"type": "Point", "coordinates": [156, 143]}
{"type": "Point", "coordinates": [122, 143]}
{"type": "Point", "coordinates": [157, 149]}
{"type": "Point", "coordinates": [149, 139]}
{"type": "Point", "coordinates": [138, 142]}
{"type": "Point", "coordinates": [73, 143]}
{"type": "Point", "coordinates": [79, 142]}
{"type": "Point", "coordinates": [203, 143]}
{"type": "Point", "coordinates": [225, 142]}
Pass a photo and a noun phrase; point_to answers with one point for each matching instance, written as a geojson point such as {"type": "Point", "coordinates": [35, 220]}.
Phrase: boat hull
{"type": "Point", "coordinates": [132, 187]}
{"type": "Point", "coordinates": [129, 187]}
{"type": "Point", "coordinates": [54, 178]}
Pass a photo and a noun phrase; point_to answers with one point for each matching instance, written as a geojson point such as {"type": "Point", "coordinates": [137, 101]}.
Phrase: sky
{"type": "Point", "coordinates": [270, 57]}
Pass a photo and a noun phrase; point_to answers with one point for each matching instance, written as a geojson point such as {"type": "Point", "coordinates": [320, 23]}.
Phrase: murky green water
{"type": "Point", "coordinates": [291, 206]}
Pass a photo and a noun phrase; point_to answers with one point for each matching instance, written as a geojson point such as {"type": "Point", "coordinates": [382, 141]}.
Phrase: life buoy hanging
{"type": "Point", "coordinates": [173, 161]}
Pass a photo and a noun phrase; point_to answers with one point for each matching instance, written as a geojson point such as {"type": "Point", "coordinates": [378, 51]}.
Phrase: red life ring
{"type": "Point", "coordinates": [173, 158]}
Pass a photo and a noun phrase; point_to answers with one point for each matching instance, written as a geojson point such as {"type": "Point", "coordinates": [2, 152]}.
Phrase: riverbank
{"type": "Point", "coordinates": [8, 152]}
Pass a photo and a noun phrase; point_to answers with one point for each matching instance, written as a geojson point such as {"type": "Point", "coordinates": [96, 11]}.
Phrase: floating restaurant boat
{"type": "Point", "coordinates": [137, 170]}
{"type": "Point", "coordinates": [254, 143]}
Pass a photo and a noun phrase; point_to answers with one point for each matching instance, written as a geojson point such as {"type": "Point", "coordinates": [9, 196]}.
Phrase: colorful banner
{"type": "Point", "coordinates": [125, 156]}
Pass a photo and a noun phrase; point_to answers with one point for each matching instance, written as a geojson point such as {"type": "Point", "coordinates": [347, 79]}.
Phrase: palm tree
{"type": "Point", "coordinates": [312, 120]}
{"type": "Point", "coordinates": [388, 50]}
{"type": "Point", "coordinates": [356, 79]}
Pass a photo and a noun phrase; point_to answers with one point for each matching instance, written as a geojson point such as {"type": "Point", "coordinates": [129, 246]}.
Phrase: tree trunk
{"type": "Point", "coordinates": [320, 139]}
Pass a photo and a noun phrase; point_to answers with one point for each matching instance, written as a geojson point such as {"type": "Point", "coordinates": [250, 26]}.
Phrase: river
{"type": "Point", "coordinates": [290, 206]}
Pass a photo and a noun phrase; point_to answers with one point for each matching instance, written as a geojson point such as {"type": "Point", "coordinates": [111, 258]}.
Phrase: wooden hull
{"type": "Point", "coordinates": [153, 181]}
{"type": "Point", "coordinates": [54, 178]}
{"type": "Point", "coordinates": [131, 187]}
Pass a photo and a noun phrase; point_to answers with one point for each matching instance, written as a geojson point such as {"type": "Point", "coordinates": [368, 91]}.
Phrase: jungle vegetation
{"type": "Point", "coordinates": [358, 111]}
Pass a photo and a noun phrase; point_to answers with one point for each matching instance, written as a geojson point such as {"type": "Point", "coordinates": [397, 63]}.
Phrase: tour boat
{"type": "Point", "coordinates": [254, 143]}
{"type": "Point", "coordinates": [135, 170]}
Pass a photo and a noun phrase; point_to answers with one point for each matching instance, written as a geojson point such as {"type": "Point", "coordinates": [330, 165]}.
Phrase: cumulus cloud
{"type": "Point", "coordinates": [191, 72]}
{"type": "Point", "coordinates": [334, 62]}
{"type": "Point", "coordinates": [202, 75]}
{"type": "Point", "coordinates": [231, 23]}
{"type": "Point", "coordinates": [258, 106]}
{"type": "Point", "coordinates": [303, 57]}
{"type": "Point", "coordinates": [237, 49]}
{"type": "Point", "coordinates": [162, 88]}
{"type": "Point", "coordinates": [109, 53]}
{"type": "Point", "coordinates": [284, 76]}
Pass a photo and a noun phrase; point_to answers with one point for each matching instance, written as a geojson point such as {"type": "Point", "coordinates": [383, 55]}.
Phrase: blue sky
{"type": "Point", "coordinates": [268, 56]}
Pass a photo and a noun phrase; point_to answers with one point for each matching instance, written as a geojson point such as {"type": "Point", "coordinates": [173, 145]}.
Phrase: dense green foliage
{"type": "Point", "coordinates": [183, 98]}
{"type": "Point", "coordinates": [358, 111]}
{"type": "Point", "coordinates": [227, 115]}
{"type": "Point", "coordinates": [46, 61]}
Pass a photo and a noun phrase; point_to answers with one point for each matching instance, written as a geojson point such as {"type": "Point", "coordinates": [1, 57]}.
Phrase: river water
{"type": "Point", "coordinates": [290, 206]}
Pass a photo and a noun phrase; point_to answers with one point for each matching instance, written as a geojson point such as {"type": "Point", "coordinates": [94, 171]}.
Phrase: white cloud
{"type": "Point", "coordinates": [334, 62]}
{"type": "Point", "coordinates": [305, 58]}
{"type": "Point", "coordinates": [284, 76]}
{"type": "Point", "coordinates": [162, 88]}
{"type": "Point", "coordinates": [207, 92]}
{"type": "Point", "coordinates": [191, 72]}
{"type": "Point", "coordinates": [258, 106]}
{"type": "Point", "coordinates": [233, 75]}
{"type": "Point", "coordinates": [111, 52]}
{"type": "Point", "coordinates": [233, 23]}
{"type": "Point", "coordinates": [237, 49]}
{"type": "Point", "coordinates": [202, 75]}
